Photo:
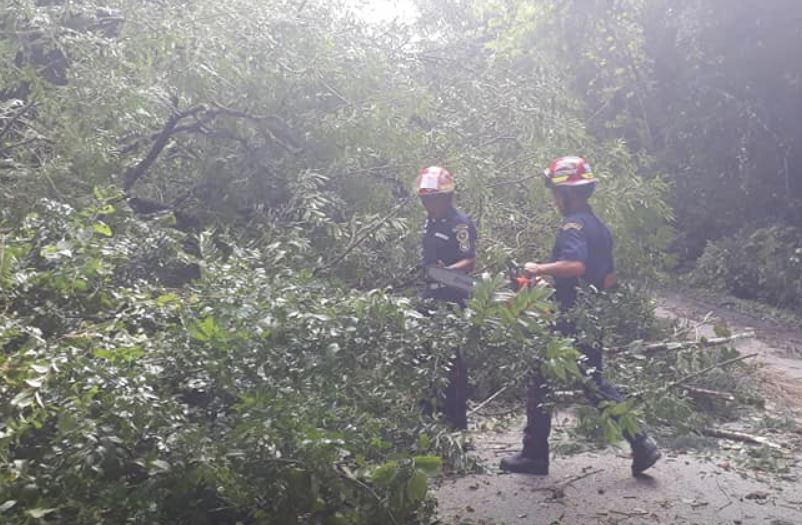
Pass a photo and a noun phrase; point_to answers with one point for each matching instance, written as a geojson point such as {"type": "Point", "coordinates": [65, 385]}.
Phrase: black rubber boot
{"type": "Point", "coordinates": [524, 463]}
{"type": "Point", "coordinates": [644, 454]}
{"type": "Point", "coordinates": [534, 458]}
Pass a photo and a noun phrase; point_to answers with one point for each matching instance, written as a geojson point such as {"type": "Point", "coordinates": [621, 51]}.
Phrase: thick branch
{"type": "Point", "coordinates": [271, 133]}
{"type": "Point", "coordinates": [141, 168]}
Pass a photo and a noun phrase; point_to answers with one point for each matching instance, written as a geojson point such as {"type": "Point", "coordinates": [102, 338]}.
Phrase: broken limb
{"type": "Point", "coordinates": [739, 436]}
{"type": "Point", "coordinates": [698, 373]}
{"type": "Point", "coordinates": [705, 370]}
{"type": "Point", "coordinates": [696, 391]}
{"type": "Point", "coordinates": [668, 346]}
{"type": "Point", "coordinates": [141, 168]}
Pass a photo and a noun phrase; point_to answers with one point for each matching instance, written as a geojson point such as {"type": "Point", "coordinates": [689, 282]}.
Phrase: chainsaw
{"type": "Point", "coordinates": [451, 278]}
{"type": "Point", "coordinates": [464, 282]}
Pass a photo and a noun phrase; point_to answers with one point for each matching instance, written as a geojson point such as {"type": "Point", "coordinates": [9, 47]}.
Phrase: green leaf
{"type": "Point", "coordinates": [167, 299]}
{"type": "Point", "coordinates": [610, 430]}
{"type": "Point", "coordinates": [383, 474]}
{"type": "Point", "coordinates": [7, 505]}
{"type": "Point", "coordinates": [106, 209]}
{"type": "Point", "coordinates": [423, 443]}
{"type": "Point", "coordinates": [123, 355]}
{"type": "Point", "coordinates": [205, 330]}
{"type": "Point", "coordinates": [617, 409]}
{"type": "Point", "coordinates": [431, 465]}
{"type": "Point", "coordinates": [102, 228]}
{"type": "Point", "coordinates": [160, 465]}
{"type": "Point", "coordinates": [39, 512]}
{"type": "Point", "coordinates": [417, 487]}
{"type": "Point", "coordinates": [40, 369]}
{"type": "Point", "coordinates": [35, 383]}
{"type": "Point", "coordinates": [23, 399]}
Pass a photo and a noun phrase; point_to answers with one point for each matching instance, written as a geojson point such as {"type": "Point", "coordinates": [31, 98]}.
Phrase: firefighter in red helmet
{"type": "Point", "coordinates": [449, 241]}
{"type": "Point", "coordinates": [582, 254]}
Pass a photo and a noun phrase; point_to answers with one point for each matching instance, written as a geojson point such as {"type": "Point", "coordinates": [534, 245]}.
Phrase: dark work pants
{"type": "Point", "coordinates": [455, 400]}
{"type": "Point", "coordinates": [455, 407]}
{"type": "Point", "coordinates": [538, 413]}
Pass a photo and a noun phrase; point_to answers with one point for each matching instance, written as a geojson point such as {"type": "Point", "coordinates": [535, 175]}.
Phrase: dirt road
{"type": "Point", "coordinates": [727, 484]}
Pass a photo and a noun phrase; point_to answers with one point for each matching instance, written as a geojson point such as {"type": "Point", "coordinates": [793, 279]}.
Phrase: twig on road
{"type": "Point", "coordinates": [573, 479]}
{"type": "Point", "coordinates": [725, 396]}
{"type": "Point", "coordinates": [739, 436]}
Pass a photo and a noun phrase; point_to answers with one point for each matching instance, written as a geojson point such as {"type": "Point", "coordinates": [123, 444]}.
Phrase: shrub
{"type": "Point", "coordinates": [763, 264]}
{"type": "Point", "coordinates": [257, 394]}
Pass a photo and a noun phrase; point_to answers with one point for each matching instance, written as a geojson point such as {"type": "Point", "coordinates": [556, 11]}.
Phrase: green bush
{"type": "Point", "coordinates": [763, 264]}
{"type": "Point", "coordinates": [257, 394]}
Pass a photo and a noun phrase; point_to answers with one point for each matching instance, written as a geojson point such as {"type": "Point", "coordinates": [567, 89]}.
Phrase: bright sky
{"type": "Point", "coordinates": [386, 10]}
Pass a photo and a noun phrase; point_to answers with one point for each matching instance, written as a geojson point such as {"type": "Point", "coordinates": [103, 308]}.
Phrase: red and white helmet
{"type": "Point", "coordinates": [433, 180]}
{"type": "Point", "coordinates": [568, 171]}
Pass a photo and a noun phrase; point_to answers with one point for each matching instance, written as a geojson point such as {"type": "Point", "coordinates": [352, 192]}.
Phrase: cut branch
{"type": "Point", "coordinates": [725, 396]}
{"type": "Point", "coordinates": [698, 373]}
{"type": "Point", "coordinates": [668, 346]}
{"type": "Point", "coordinates": [497, 393]}
{"type": "Point", "coordinates": [740, 437]}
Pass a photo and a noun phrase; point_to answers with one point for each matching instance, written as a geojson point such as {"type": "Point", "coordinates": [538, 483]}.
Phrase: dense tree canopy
{"type": "Point", "coordinates": [207, 231]}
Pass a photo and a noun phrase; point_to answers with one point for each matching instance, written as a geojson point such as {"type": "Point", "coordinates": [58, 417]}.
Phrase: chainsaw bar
{"type": "Point", "coordinates": [451, 278]}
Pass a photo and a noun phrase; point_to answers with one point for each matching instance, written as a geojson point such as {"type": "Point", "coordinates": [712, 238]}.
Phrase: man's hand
{"type": "Point", "coordinates": [464, 266]}
{"type": "Point", "coordinates": [563, 269]}
{"type": "Point", "coordinates": [531, 269]}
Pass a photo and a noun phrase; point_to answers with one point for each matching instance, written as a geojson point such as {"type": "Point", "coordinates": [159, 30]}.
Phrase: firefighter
{"type": "Point", "coordinates": [449, 241]}
{"type": "Point", "coordinates": [582, 255]}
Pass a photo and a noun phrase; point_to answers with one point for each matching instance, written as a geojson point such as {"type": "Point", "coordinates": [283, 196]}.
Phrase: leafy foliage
{"type": "Point", "coordinates": [701, 88]}
{"type": "Point", "coordinates": [763, 264]}
{"type": "Point", "coordinates": [207, 233]}
{"type": "Point", "coordinates": [251, 396]}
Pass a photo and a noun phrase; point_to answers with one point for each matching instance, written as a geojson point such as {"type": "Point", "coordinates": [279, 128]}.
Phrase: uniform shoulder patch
{"type": "Point", "coordinates": [572, 226]}
{"type": "Point", "coordinates": [463, 237]}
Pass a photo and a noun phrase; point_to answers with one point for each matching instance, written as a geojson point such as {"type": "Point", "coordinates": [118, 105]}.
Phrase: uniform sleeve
{"type": "Point", "coordinates": [465, 234]}
{"type": "Point", "coordinates": [571, 244]}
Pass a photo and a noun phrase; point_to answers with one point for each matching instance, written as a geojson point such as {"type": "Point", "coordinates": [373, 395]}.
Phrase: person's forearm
{"type": "Point", "coordinates": [559, 269]}
{"type": "Point", "coordinates": [465, 265]}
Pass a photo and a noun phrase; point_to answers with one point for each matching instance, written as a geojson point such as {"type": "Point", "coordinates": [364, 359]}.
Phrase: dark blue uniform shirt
{"type": "Point", "coordinates": [450, 240]}
{"type": "Point", "coordinates": [582, 237]}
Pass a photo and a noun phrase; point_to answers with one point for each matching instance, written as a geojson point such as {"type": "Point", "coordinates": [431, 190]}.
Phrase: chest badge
{"type": "Point", "coordinates": [463, 237]}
